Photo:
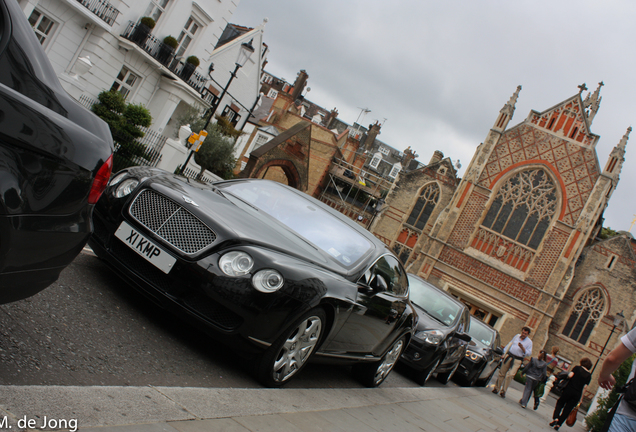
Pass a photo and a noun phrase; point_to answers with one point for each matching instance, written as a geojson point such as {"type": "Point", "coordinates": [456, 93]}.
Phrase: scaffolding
{"type": "Point", "coordinates": [353, 191]}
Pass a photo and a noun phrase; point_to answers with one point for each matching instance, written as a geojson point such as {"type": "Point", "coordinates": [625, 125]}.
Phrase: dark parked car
{"type": "Point", "coordinates": [439, 343]}
{"type": "Point", "coordinates": [260, 264]}
{"type": "Point", "coordinates": [482, 356]}
{"type": "Point", "coordinates": [55, 161]}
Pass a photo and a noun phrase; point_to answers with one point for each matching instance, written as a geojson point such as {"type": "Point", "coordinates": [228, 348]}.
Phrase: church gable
{"type": "Point", "coordinates": [567, 120]}
{"type": "Point", "coordinates": [576, 167]}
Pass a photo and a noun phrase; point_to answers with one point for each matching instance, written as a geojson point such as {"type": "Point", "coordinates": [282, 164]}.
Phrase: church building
{"type": "Point", "coordinates": [506, 238]}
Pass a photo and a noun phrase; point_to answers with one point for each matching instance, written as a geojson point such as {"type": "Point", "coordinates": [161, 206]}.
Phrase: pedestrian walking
{"type": "Point", "coordinates": [519, 347]}
{"type": "Point", "coordinates": [535, 372]}
{"type": "Point", "coordinates": [552, 362]}
{"type": "Point", "coordinates": [572, 394]}
{"type": "Point", "coordinates": [624, 419]}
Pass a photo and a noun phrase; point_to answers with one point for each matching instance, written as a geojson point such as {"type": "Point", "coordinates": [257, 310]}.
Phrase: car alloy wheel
{"type": "Point", "coordinates": [373, 374]}
{"type": "Point", "coordinates": [287, 356]}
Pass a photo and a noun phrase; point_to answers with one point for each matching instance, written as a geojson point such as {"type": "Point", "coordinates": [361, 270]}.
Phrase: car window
{"type": "Point", "coordinates": [435, 302]}
{"type": "Point", "coordinates": [390, 269]}
{"type": "Point", "coordinates": [305, 218]}
{"type": "Point", "coordinates": [482, 334]}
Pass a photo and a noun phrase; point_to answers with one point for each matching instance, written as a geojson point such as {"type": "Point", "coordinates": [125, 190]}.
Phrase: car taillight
{"type": "Point", "coordinates": [100, 181]}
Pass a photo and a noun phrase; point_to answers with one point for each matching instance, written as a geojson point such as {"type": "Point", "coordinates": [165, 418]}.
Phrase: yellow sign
{"type": "Point", "coordinates": [197, 139]}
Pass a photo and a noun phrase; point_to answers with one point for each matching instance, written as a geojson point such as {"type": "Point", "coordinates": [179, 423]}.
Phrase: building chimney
{"type": "Point", "coordinates": [374, 131]}
{"type": "Point", "coordinates": [409, 155]}
{"type": "Point", "coordinates": [299, 84]}
{"type": "Point", "coordinates": [437, 156]}
{"type": "Point", "coordinates": [331, 117]}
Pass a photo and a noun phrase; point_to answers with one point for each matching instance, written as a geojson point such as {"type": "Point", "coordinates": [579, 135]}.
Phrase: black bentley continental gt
{"type": "Point", "coordinates": [260, 264]}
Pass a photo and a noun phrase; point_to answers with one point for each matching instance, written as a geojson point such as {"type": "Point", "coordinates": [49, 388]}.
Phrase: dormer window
{"type": "Point", "coordinates": [376, 160]}
{"type": "Point", "coordinates": [395, 170]}
{"type": "Point", "coordinates": [385, 151]}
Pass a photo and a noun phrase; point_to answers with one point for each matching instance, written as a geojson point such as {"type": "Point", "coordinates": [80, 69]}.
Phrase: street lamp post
{"type": "Point", "coordinates": [618, 320]}
{"type": "Point", "coordinates": [244, 54]}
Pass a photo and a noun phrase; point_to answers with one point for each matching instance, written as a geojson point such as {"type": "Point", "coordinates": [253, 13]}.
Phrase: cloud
{"type": "Point", "coordinates": [439, 72]}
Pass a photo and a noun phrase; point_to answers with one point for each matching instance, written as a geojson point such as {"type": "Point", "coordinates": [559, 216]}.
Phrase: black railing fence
{"type": "Point", "coordinates": [104, 10]}
{"type": "Point", "coordinates": [129, 151]}
{"type": "Point", "coordinates": [140, 35]}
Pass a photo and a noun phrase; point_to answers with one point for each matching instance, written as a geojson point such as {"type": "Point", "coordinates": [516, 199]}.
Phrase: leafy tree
{"type": "Point", "coordinates": [607, 233]}
{"type": "Point", "coordinates": [216, 153]}
{"type": "Point", "coordinates": [124, 120]}
{"type": "Point", "coordinates": [596, 420]}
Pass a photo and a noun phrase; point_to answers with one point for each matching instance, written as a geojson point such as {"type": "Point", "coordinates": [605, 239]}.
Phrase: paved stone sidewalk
{"type": "Point", "coordinates": [169, 409]}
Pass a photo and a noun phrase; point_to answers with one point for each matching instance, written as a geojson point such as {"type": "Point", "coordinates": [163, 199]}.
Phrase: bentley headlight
{"type": "Point", "coordinates": [473, 356]}
{"type": "Point", "coordinates": [268, 280]}
{"type": "Point", "coordinates": [126, 187]}
{"type": "Point", "coordinates": [433, 337]}
{"type": "Point", "coordinates": [119, 177]}
{"type": "Point", "coordinates": [236, 263]}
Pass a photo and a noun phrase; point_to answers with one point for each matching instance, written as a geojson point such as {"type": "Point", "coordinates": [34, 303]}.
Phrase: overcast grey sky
{"type": "Point", "coordinates": [440, 71]}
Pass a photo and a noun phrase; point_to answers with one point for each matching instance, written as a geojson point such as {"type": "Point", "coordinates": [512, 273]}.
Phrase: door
{"type": "Point", "coordinates": [379, 306]}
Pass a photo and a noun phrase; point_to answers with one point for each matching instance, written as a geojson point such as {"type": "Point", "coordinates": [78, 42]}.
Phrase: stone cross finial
{"type": "Point", "coordinates": [582, 88]}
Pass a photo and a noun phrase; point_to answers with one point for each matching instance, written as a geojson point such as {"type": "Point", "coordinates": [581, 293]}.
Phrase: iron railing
{"type": "Point", "coordinates": [104, 10]}
{"type": "Point", "coordinates": [164, 54]}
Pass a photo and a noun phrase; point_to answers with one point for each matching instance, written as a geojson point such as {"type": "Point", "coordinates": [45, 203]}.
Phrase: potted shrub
{"type": "Point", "coordinates": [188, 68]}
{"type": "Point", "coordinates": [142, 30]}
{"type": "Point", "coordinates": [166, 50]}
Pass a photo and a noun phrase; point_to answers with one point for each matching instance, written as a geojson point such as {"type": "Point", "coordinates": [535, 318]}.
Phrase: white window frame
{"type": "Point", "coordinates": [394, 171]}
{"type": "Point", "coordinates": [156, 8]}
{"type": "Point", "coordinates": [260, 139]}
{"type": "Point", "coordinates": [187, 32]}
{"type": "Point", "coordinates": [122, 83]}
{"type": "Point", "coordinates": [272, 94]}
{"type": "Point", "coordinates": [44, 36]}
{"type": "Point", "coordinates": [376, 160]}
{"type": "Point", "coordinates": [385, 151]}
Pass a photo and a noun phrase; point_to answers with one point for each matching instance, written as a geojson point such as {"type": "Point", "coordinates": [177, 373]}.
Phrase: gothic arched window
{"type": "Point", "coordinates": [424, 206]}
{"type": "Point", "coordinates": [523, 208]}
{"type": "Point", "coordinates": [585, 314]}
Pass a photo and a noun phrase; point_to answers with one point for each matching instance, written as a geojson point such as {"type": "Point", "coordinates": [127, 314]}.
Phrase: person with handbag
{"type": "Point", "coordinates": [519, 347]}
{"type": "Point", "coordinates": [572, 394]}
{"type": "Point", "coordinates": [535, 372]}
{"type": "Point", "coordinates": [623, 417]}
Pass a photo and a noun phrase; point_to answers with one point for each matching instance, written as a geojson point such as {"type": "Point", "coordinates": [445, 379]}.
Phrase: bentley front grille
{"type": "Point", "coordinates": [173, 223]}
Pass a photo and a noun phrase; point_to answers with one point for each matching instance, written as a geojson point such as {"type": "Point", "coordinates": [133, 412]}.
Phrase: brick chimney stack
{"type": "Point", "coordinates": [299, 84]}
{"type": "Point", "coordinates": [374, 131]}
{"type": "Point", "coordinates": [437, 157]}
{"type": "Point", "coordinates": [409, 155]}
{"type": "Point", "coordinates": [331, 117]}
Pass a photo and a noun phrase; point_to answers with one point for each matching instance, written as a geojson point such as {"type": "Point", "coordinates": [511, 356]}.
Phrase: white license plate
{"type": "Point", "coordinates": [144, 247]}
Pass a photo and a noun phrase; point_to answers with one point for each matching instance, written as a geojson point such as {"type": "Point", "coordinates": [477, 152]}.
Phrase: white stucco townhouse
{"type": "Point", "coordinates": [137, 63]}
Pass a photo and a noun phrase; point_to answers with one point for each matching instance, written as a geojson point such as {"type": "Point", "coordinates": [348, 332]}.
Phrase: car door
{"type": "Point", "coordinates": [379, 306]}
{"type": "Point", "coordinates": [492, 358]}
{"type": "Point", "coordinates": [457, 347]}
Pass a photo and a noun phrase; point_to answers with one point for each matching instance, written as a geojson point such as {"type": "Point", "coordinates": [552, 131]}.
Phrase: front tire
{"type": "Point", "coordinates": [291, 351]}
{"type": "Point", "coordinates": [423, 376]}
{"type": "Point", "coordinates": [445, 377]}
{"type": "Point", "coordinates": [373, 374]}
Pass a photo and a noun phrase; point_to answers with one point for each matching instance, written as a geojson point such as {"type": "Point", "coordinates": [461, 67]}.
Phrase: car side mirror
{"type": "Point", "coordinates": [463, 336]}
{"type": "Point", "coordinates": [499, 351]}
{"type": "Point", "coordinates": [378, 284]}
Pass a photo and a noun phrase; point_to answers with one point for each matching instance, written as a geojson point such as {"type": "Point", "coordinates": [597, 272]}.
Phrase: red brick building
{"type": "Point", "coordinates": [506, 238]}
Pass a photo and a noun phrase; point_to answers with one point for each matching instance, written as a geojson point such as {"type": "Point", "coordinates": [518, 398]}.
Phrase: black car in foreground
{"type": "Point", "coordinates": [482, 356]}
{"type": "Point", "coordinates": [55, 161]}
{"type": "Point", "coordinates": [439, 343]}
{"type": "Point", "coordinates": [275, 272]}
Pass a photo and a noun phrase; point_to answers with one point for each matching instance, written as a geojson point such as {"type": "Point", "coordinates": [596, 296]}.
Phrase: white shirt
{"type": "Point", "coordinates": [514, 348]}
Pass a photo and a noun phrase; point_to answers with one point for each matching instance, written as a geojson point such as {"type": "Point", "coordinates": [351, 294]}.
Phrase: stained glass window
{"type": "Point", "coordinates": [523, 208]}
{"type": "Point", "coordinates": [424, 206]}
{"type": "Point", "coordinates": [585, 314]}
